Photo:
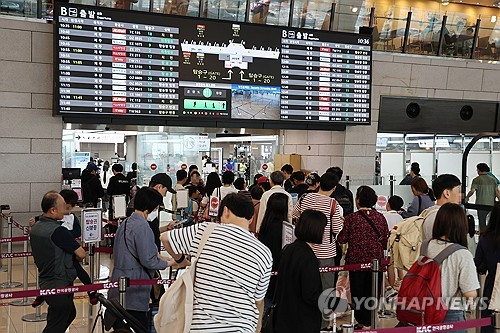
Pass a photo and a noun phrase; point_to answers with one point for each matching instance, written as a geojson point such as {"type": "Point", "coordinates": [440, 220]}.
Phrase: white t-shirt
{"type": "Point", "coordinates": [429, 222]}
{"type": "Point", "coordinates": [392, 218]}
{"type": "Point", "coordinates": [225, 191]}
{"type": "Point", "coordinates": [232, 274]}
{"type": "Point", "coordinates": [458, 274]}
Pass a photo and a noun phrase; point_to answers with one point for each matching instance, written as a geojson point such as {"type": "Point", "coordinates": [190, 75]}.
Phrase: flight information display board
{"type": "Point", "coordinates": [123, 63]}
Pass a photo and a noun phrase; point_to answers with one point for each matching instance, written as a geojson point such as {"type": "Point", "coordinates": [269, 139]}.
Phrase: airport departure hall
{"type": "Point", "coordinates": [257, 115]}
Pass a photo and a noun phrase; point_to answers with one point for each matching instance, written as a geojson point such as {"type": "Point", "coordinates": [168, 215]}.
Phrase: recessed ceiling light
{"type": "Point", "coordinates": [354, 9]}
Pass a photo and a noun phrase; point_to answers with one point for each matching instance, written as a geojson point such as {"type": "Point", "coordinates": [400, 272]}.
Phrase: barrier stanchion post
{"type": "Point", "coordinates": [123, 283]}
{"type": "Point", "coordinates": [2, 209]}
{"type": "Point", "coordinates": [97, 269]}
{"type": "Point", "coordinates": [496, 321]}
{"type": "Point", "coordinates": [9, 284]}
{"type": "Point", "coordinates": [25, 301]}
{"type": "Point", "coordinates": [347, 328]}
{"type": "Point", "coordinates": [91, 256]}
{"type": "Point", "coordinates": [38, 315]}
{"type": "Point", "coordinates": [392, 180]}
{"type": "Point", "coordinates": [375, 274]}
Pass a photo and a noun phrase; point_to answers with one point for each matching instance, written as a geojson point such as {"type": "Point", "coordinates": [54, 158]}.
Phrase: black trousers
{"type": "Point", "coordinates": [361, 293]}
{"type": "Point", "coordinates": [60, 314]}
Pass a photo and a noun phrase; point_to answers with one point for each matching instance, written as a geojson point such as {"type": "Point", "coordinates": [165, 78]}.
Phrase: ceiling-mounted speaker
{"type": "Point", "coordinates": [412, 110]}
{"type": "Point", "coordinates": [466, 112]}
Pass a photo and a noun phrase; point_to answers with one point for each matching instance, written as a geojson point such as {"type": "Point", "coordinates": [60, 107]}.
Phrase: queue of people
{"type": "Point", "coordinates": [234, 285]}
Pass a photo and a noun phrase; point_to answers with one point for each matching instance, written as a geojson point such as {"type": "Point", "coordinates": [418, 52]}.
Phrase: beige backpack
{"type": "Point", "coordinates": [406, 238]}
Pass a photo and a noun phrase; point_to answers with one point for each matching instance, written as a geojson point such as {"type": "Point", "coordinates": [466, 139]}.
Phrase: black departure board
{"type": "Point", "coordinates": [125, 64]}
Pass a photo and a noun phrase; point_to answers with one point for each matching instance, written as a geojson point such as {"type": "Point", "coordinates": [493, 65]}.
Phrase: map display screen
{"type": "Point", "coordinates": [122, 63]}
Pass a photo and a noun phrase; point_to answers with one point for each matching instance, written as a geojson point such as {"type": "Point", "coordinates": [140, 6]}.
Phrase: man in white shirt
{"type": "Point", "coordinates": [227, 185]}
{"type": "Point", "coordinates": [277, 180]}
{"type": "Point", "coordinates": [447, 190]}
{"type": "Point", "coordinates": [232, 273]}
{"type": "Point", "coordinates": [182, 178]}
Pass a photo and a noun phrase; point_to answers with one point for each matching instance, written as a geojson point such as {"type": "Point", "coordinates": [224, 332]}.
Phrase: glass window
{"type": "Point", "coordinates": [177, 7]}
{"type": "Point", "coordinates": [230, 10]}
{"type": "Point", "coordinates": [278, 14]}
{"type": "Point", "coordinates": [389, 28]}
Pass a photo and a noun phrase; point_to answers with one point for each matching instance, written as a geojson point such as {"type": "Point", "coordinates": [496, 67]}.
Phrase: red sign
{"type": "Point", "coordinates": [184, 166]}
{"type": "Point", "coordinates": [381, 201]}
{"type": "Point", "coordinates": [214, 202]}
{"type": "Point", "coordinates": [154, 166]}
{"type": "Point", "coordinates": [264, 166]}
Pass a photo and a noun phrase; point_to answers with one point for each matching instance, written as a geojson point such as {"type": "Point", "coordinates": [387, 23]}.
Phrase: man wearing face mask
{"type": "Point", "coordinates": [162, 183]}
{"type": "Point", "coordinates": [136, 257]}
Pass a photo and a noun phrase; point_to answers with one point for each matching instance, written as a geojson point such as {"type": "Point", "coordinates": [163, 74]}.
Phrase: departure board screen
{"type": "Point", "coordinates": [124, 64]}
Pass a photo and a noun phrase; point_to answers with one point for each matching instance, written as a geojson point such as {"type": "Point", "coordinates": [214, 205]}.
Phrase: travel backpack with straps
{"type": "Point", "coordinates": [406, 239]}
{"type": "Point", "coordinates": [419, 299]}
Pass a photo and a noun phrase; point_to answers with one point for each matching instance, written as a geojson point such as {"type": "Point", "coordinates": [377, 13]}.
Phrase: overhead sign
{"type": "Point", "coordinates": [100, 137]}
{"type": "Point", "coordinates": [92, 225]}
{"type": "Point", "coordinates": [203, 142]}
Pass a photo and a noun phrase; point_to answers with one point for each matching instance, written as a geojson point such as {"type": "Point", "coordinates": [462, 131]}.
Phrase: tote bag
{"type": "Point", "coordinates": [495, 295]}
{"type": "Point", "coordinates": [175, 311]}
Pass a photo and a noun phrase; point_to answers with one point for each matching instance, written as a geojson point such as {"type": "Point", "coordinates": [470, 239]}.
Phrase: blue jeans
{"type": "Point", "coordinates": [453, 316]}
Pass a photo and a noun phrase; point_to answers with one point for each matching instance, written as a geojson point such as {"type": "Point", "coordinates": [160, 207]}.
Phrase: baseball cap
{"type": "Point", "coordinates": [163, 179]}
{"type": "Point", "coordinates": [92, 167]}
{"type": "Point", "coordinates": [262, 179]}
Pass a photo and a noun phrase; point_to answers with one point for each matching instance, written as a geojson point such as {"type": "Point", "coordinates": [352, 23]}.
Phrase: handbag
{"type": "Point", "coordinates": [175, 311]}
{"type": "Point", "coordinates": [495, 295]}
{"type": "Point", "coordinates": [268, 319]}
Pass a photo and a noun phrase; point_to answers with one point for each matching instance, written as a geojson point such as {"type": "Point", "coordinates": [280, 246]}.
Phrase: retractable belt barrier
{"type": "Point", "coordinates": [15, 223]}
{"type": "Point", "coordinates": [14, 239]}
{"type": "Point", "coordinates": [459, 325]}
{"type": "Point", "coordinates": [109, 285]}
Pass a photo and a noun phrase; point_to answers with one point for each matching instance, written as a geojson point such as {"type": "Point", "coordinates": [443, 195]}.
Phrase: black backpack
{"type": "Point", "coordinates": [344, 199]}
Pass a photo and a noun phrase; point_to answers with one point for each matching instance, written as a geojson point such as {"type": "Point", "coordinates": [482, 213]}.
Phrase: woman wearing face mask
{"type": "Point", "coordinates": [135, 254]}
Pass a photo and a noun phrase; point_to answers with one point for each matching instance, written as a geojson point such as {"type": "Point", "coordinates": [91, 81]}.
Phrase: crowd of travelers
{"type": "Point", "coordinates": [234, 286]}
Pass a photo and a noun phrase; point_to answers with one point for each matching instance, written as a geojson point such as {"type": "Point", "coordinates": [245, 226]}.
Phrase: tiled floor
{"type": "Point", "coordinates": [10, 316]}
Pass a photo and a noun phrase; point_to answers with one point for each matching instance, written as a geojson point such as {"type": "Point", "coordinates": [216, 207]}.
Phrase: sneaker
{"type": "Point", "coordinates": [38, 301]}
{"type": "Point", "coordinates": [390, 293]}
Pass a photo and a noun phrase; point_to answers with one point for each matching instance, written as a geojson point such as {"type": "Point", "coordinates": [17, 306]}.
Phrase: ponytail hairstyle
{"type": "Point", "coordinates": [420, 185]}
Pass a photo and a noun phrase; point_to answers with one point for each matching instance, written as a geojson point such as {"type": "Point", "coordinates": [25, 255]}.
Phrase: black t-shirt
{"type": "Point", "coordinates": [118, 185]}
{"type": "Point", "coordinates": [288, 185]}
{"type": "Point", "coordinates": [63, 238]}
{"type": "Point", "coordinates": [299, 189]}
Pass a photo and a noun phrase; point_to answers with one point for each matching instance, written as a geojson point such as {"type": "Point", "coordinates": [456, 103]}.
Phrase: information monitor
{"type": "Point", "coordinates": [118, 63]}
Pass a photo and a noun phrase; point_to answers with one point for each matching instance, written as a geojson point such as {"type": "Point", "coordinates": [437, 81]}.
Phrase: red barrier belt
{"type": "Point", "coordinates": [15, 255]}
{"type": "Point", "coordinates": [459, 325]}
{"type": "Point", "coordinates": [58, 291]}
{"type": "Point", "coordinates": [14, 239]}
{"type": "Point", "coordinates": [104, 249]}
{"type": "Point", "coordinates": [151, 282]}
{"type": "Point", "coordinates": [18, 225]}
{"type": "Point", "coordinates": [94, 287]}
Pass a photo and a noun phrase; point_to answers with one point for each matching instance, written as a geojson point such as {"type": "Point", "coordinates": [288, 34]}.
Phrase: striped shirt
{"type": "Point", "coordinates": [322, 203]}
{"type": "Point", "coordinates": [232, 274]}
